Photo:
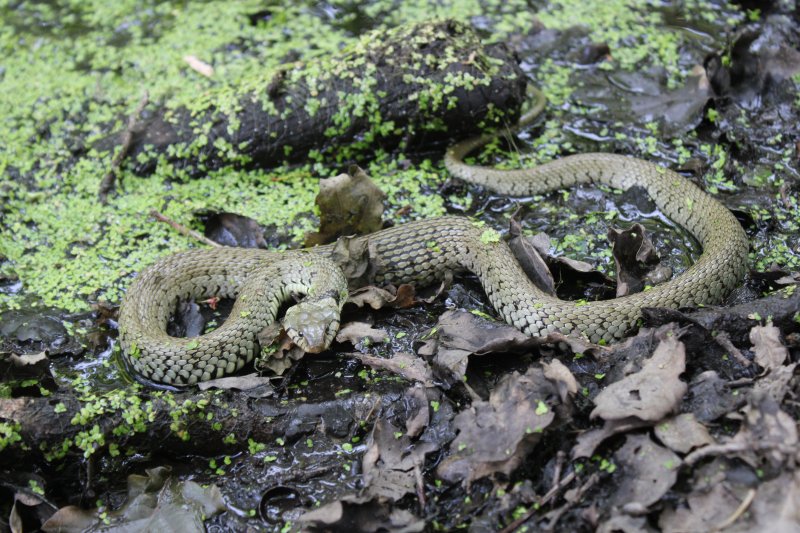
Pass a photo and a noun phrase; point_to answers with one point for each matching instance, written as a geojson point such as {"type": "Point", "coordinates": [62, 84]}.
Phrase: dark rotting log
{"type": "Point", "coordinates": [428, 82]}
{"type": "Point", "coordinates": [62, 427]}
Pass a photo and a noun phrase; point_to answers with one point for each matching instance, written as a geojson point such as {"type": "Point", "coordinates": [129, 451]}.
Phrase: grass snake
{"type": "Point", "coordinates": [420, 252]}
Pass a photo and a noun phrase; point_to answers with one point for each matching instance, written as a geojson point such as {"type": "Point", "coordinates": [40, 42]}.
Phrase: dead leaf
{"type": "Point", "coordinates": [683, 433]}
{"type": "Point", "coordinates": [710, 397]}
{"type": "Point", "coordinates": [495, 436]}
{"type": "Point", "coordinates": [231, 229]}
{"type": "Point", "coordinates": [678, 110]}
{"type": "Point", "coordinates": [643, 96]}
{"type": "Point", "coordinates": [776, 384]}
{"type": "Point", "coordinates": [253, 385]}
{"type": "Point", "coordinates": [768, 434]}
{"type": "Point", "coordinates": [558, 373]}
{"type": "Point", "coordinates": [460, 334]}
{"type": "Point", "coordinates": [154, 502]}
{"type": "Point", "coordinates": [378, 298]}
{"type": "Point", "coordinates": [528, 255]}
{"type": "Point", "coordinates": [636, 259]}
{"type": "Point", "coordinates": [357, 332]}
{"type": "Point", "coordinates": [646, 472]}
{"type": "Point", "coordinates": [770, 351]}
{"type": "Point", "coordinates": [775, 508]}
{"type": "Point", "coordinates": [407, 365]}
{"type": "Point", "coordinates": [650, 394]}
{"type": "Point", "coordinates": [349, 204]}
{"type": "Point", "coordinates": [389, 462]}
{"type": "Point", "coordinates": [356, 513]}
{"type": "Point", "coordinates": [588, 441]}
{"type": "Point", "coordinates": [703, 511]}
{"type": "Point", "coordinates": [419, 411]}
{"type": "Point", "coordinates": [278, 352]}
{"type": "Point", "coordinates": [354, 257]}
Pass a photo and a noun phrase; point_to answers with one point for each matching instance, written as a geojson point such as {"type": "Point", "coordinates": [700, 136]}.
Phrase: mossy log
{"type": "Point", "coordinates": [62, 428]}
{"type": "Point", "coordinates": [423, 82]}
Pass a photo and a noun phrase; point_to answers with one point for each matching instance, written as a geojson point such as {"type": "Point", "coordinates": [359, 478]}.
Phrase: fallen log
{"type": "Point", "coordinates": [418, 82]}
{"type": "Point", "coordinates": [63, 427]}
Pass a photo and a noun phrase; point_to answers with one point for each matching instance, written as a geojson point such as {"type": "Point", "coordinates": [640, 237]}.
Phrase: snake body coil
{"type": "Point", "coordinates": [424, 251]}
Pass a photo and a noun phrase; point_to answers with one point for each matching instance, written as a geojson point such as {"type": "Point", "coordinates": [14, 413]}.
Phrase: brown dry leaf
{"type": "Point", "coordinates": [558, 373]}
{"type": "Point", "coordinates": [155, 502]}
{"type": "Point", "coordinates": [356, 513]}
{"type": "Point", "coordinates": [683, 433]}
{"type": "Point", "coordinates": [636, 259]}
{"type": "Point", "coordinates": [278, 352]}
{"type": "Point", "coordinates": [588, 441]}
{"type": "Point", "coordinates": [231, 229]}
{"type": "Point", "coordinates": [378, 298]}
{"type": "Point", "coordinates": [495, 436]}
{"type": "Point", "coordinates": [349, 204]}
{"type": "Point", "coordinates": [353, 256]}
{"type": "Point", "coordinates": [390, 460]}
{"type": "Point", "coordinates": [407, 365]}
{"type": "Point", "coordinates": [419, 410]}
{"type": "Point", "coordinates": [767, 439]}
{"type": "Point", "coordinates": [777, 384]}
{"type": "Point", "coordinates": [650, 394]}
{"type": "Point", "coordinates": [770, 351]}
{"type": "Point", "coordinates": [647, 471]}
{"type": "Point", "coordinates": [460, 334]}
{"type": "Point", "coordinates": [704, 510]}
{"type": "Point", "coordinates": [356, 332]}
{"type": "Point", "coordinates": [768, 434]}
{"type": "Point", "coordinates": [775, 508]}
{"type": "Point", "coordinates": [528, 254]}
{"type": "Point", "coordinates": [253, 385]}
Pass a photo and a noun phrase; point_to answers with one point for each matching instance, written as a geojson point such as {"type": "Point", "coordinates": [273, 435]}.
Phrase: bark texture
{"type": "Point", "coordinates": [417, 83]}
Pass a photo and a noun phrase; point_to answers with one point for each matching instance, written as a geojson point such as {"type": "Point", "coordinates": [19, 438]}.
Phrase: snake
{"type": "Point", "coordinates": [421, 252]}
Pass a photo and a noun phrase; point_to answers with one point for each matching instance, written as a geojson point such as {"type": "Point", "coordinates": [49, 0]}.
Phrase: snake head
{"type": "Point", "coordinates": [312, 324]}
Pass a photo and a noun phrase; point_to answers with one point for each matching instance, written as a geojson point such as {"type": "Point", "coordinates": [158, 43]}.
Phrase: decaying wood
{"type": "Point", "coordinates": [413, 83]}
{"type": "Point", "coordinates": [177, 426]}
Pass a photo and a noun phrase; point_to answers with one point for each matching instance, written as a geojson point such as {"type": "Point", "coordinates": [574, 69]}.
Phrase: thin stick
{"type": "Point", "coordinates": [748, 499]}
{"type": "Point", "coordinates": [183, 230]}
{"type": "Point", "coordinates": [569, 478]}
{"type": "Point", "coordinates": [724, 341]}
{"type": "Point", "coordinates": [107, 183]}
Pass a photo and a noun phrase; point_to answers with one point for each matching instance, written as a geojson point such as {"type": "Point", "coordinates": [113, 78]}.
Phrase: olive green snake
{"type": "Point", "coordinates": [421, 253]}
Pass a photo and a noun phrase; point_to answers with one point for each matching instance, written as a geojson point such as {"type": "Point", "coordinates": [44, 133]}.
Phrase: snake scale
{"type": "Point", "coordinates": [420, 252]}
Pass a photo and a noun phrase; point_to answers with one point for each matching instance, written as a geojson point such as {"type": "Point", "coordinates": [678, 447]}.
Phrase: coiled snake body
{"type": "Point", "coordinates": [420, 252]}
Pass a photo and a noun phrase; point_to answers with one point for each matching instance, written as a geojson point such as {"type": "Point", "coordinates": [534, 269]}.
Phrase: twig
{"type": "Point", "coordinates": [569, 478]}
{"type": "Point", "coordinates": [556, 514]}
{"type": "Point", "coordinates": [183, 230]}
{"type": "Point", "coordinates": [107, 183]}
{"type": "Point", "coordinates": [724, 341]}
{"type": "Point", "coordinates": [748, 499]}
{"type": "Point", "coordinates": [420, 487]}
{"type": "Point", "coordinates": [736, 447]}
